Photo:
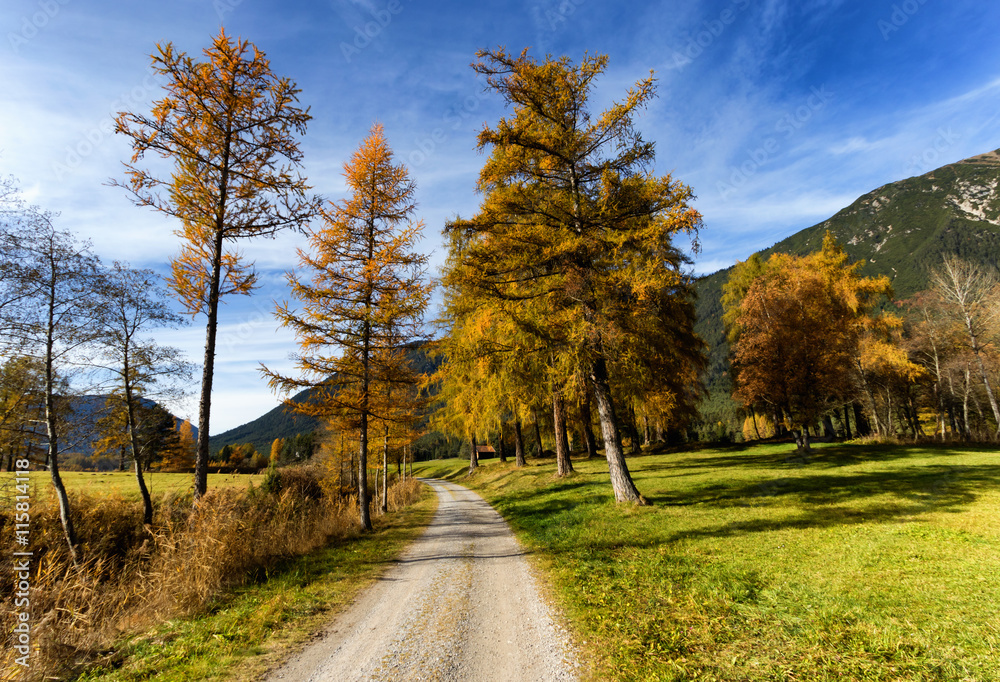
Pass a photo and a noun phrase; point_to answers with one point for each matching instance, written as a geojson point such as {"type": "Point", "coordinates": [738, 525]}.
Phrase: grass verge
{"type": "Point", "coordinates": [251, 629]}
{"type": "Point", "coordinates": [864, 562]}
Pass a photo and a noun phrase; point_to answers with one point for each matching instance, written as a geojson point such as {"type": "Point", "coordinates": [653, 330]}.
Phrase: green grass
{"type": "Point", "coordinates": [862, 563]}
{"type": "Point", "coordinates": [123, 482]}
{"type": "Point", "coordinates": [253, 628]}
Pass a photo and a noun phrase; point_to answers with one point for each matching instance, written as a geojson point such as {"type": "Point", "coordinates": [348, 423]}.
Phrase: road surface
{"type": "Point", "coordinates": [460, 604]}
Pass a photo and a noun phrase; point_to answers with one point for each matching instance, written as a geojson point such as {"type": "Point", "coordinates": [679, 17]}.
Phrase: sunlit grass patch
{"type": "Point", "coordinates": [861, 562]}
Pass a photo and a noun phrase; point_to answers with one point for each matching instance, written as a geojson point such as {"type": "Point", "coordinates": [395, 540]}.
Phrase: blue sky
{"type": "Point", "coordinates": [777, 112]}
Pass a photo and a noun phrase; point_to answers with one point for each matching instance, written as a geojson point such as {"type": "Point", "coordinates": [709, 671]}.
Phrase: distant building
{"type": "Point", "coordinates": [485, 451]}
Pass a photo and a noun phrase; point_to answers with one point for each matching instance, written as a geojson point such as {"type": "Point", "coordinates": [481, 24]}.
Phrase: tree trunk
{"type": "Point", "coordinates": [828, 430]}
{"type": "Point", "coordinates": [385, 472]}
{"type": "Point", "coordinates": [65, 515]}
{"type": "Point", "coordinates": [645, 431]}
{"type": "Point", "coordinates": [340, 468]}
{"type": "Point", "coordinates": [621, 480]}
{"type": "Point", "coordinates": [132, 426]}
{"type": "Point", "coordinates": [500, 447]}
{"type": "Point", "coordinates": [564, 466]}
{"type": "Point", "coordinates": [802, 440]}
{"type": "Point", "coordinates": [474, 457]}
{"type": "Point", "coordinates": [965, 408]}
{"type": "Point", "coordinates": [538, 437]}
{"type": "Point", "coordinates": [587, 420]}
{"type": "Point", "coordinates": [938, 393]}
{"type": "Point", "coordinates": [847, 424]}
{"type": "Point", "coordinates": [518, 445]}
{"type": "Point", "coordinates": [861, 425]}
{"type": "Point", "coordinates": [753, 417]}
{"type": "Point", "coordinates": [364, 504]}
{"type": "Point", "coordinates": [208, 371]}
{"type": "Point", "coordinates": [634, 437]}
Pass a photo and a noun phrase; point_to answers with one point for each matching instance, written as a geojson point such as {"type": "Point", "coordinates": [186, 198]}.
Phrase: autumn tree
{"type": "Point", "coordinates": [229, 125]}
{"type": "Point", "coordinates": [491, 370]}
{"type": "Point", "coordinates": [573, 214]}
{"type": "Point", "coordinates": [139, 367]}
{"type": "Point", "coordinates": [362, 296]}
{"type": "Point", "coordinates": [21, 406]}
{"type": "Point", "coordinates": [276, 446]}
{"type": "Point", "coordinates": [180, 454]}
{"type": "Point", "coordinates": [797, 325]}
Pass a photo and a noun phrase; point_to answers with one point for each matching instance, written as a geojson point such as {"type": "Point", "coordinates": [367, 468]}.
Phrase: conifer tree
{"type": "Point", "coordinates": [362, 303]}
{"type": "Point", "coordinates": [573, 216]}
{"type": "Point", "coordinates": [229, 125]}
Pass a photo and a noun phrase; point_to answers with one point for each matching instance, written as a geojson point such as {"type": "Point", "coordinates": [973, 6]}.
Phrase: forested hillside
{"type": "Point", "coordinates": [900, 230]}
{"type": "Point", "coordinates": [282, 422]}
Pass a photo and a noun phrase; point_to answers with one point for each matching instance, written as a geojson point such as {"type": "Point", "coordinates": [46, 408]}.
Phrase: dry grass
{"type": "Point", "coordinates": [133, 577]}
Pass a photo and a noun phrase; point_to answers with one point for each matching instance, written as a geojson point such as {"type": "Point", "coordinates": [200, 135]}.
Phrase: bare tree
{"type": "Point", "coordinates": [49, 284]}
{"type": "Point", "coordinates": [133, 305]}
{"type": "Point", "coordinates": [970, 291]}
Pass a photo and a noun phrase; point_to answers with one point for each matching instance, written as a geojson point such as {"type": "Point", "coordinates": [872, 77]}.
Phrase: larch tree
{"type": "Point", "coordinates": [797, 325]}
{"type": "Point", "coordinates": [362, 301]}
{"type": "Point", "coordinates": [180, 455]}
{"type": "Point", "coordinates": [495, 365]}
{"type": "Point", "coordinates": [572, 211]}
{"type": "Point", "coordinates": [275, 454]}
{"type": "Point", "coordinates": [140, 368]}
{"type": "Point", "coordinates": [230, 126]}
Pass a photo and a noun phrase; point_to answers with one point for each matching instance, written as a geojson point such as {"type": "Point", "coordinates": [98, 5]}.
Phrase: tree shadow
{"type": "Point", "coordinates": [820, 495]}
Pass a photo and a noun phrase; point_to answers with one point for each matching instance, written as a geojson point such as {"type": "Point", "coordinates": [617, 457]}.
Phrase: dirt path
{"type": "Point", "coordinates": [460, 604]}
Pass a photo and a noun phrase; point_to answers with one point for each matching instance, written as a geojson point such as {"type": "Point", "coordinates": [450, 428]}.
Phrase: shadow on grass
{"type": "Point", "coordinates": [818, 495]}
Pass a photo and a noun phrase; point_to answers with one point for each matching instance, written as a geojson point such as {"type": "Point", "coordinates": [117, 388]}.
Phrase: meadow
{"type": "Point", "coordinates": [860, 562]}
{"type": "Point", "coordinates": [115, 483]}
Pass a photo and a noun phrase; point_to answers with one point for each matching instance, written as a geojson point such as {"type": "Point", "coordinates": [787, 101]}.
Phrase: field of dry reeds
{"type": "Point", "coordinates": [131, 577]}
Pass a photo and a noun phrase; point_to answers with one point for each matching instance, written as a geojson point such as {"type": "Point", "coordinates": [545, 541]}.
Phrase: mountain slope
{"type": "Point", "coordinates": [901, 230]}
{"type": "Point", "coordinates": [81, 427]}
{"type": "Point", "coordinates": [282, 422]}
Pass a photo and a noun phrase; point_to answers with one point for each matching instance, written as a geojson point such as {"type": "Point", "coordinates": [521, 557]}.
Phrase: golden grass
{"type": "Point", "coordinates": [132, 578]}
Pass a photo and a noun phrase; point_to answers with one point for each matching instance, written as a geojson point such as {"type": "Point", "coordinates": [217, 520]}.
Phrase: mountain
{"type": "Point", "coordinates": [282, 422]}
{"type": "Point", "coordinates": [81, 428]}
{"type": "Point", "coordinates": [901, 230]}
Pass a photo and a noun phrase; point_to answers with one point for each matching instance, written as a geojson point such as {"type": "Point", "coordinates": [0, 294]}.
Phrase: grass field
{"type": "Point", "coordinates": [860, 563]}
{"type": "Point", "coordinates": [124, 483]}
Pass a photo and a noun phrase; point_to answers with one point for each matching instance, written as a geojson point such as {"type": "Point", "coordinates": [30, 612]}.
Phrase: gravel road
{"type": "Point", "coordinates": [460, 604]}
